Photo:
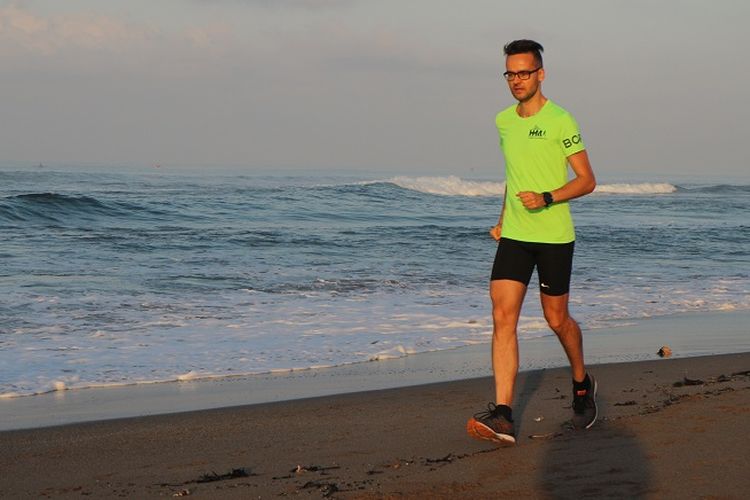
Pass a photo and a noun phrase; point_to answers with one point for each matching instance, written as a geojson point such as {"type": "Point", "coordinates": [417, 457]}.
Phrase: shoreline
{"type": "Point", "coordinates": [410, 442]}
{"type": "Point", "coordinates": [685, 333]}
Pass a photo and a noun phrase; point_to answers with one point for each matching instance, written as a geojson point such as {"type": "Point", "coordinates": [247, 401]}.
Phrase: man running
{"type": "Point", "coordinates": [539, 139]}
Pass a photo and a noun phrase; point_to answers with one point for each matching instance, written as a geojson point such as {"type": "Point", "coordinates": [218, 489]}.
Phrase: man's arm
{"type": "Point", "coordinates": [583, 183]}
{"type": "Point", "coordinates": [497, 229]}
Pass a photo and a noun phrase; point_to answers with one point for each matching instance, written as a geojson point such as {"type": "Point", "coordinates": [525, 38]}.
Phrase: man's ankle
{"type": "Point", "coordinates": [584, 385]}
{"type": "Point", "coordinates": [506, 412]}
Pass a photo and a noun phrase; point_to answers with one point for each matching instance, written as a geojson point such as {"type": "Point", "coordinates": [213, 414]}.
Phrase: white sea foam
{"type": "Point", "coordinates": [455, 186]}
{"type": "Point", "coordinates": [641, 188]}
{"type": "Point", "coordinates": [450, 185]}
{"type": "Point", "coordinates": [282, 334]}
{"type": "Point", "coordinates": [191, 375]}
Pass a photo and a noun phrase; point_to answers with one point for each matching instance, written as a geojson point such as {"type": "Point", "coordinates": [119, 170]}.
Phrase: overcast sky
{"type": "Point", "coordinates": [409, 86]}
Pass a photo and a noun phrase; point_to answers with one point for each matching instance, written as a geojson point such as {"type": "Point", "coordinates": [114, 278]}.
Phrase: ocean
{"type": "Point", "coordinates": [124, 278]}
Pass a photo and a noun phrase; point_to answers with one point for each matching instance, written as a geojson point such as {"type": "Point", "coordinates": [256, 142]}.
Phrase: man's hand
{"type": "Point", "coordinates": [531, 200]}
{"type": "Point", "coordinates": [495, 232]}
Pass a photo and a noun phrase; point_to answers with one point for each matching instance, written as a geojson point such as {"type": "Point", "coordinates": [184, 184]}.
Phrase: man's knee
{"type": "Point", "coordinates": [504, 316]}
{"type": "Point", "coordinates": [556, 311]}
{"type": "Point", "coordinates": [557, 319]}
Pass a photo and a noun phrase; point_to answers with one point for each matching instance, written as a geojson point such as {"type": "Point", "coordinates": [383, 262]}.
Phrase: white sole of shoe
{"type": "Point", "coordinates": [478, 430]}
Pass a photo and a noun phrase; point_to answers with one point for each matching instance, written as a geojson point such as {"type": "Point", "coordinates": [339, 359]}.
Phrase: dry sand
{"type": "Point", "coordinates": [656, 438]}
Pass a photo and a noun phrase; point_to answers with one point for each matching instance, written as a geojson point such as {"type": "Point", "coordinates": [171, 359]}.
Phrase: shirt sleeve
{"type": "Point", "coordinates": [571, 141]}
{"type": "Point", "coordinates": [499, 132]}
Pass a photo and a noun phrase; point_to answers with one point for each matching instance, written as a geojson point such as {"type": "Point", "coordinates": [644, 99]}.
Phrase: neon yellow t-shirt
{"type": "Point", "coordinates": [536, 150]}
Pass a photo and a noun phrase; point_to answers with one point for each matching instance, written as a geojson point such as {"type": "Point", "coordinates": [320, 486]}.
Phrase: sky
{"type": "Point", "coordinates": [367, 86]}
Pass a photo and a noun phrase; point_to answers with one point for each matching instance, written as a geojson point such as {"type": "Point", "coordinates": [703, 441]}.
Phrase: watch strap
{"type": "Point", "coordinates": [548, 200]}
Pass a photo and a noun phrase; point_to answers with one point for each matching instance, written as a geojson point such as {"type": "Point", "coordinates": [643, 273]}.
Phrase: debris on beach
{"type": "Point", "coordinates": [235, 473]}
{"type": "Point", "coordinates": [549, 435]}
{"type": "Point", "coordinates": [182, 493]}
{"type": "Point", "coordinates": [688, 381]}
{"type": "Point", "coordinates": [301, 469]}
{"type": "Point", "coordinates": [559, 396]}
{"type": "Point", "coordinates": [664, 351]}
{"type": "Point", "coordinates": [627, 403]}
{"type": "Point", "coordinates": [538, 419]}
{"type": "Point", "coordinates": [397, 463]}
{"type": "Point", "coordinates": [450, 457]}
{"type": "Point", "coordinates": [326, 488]}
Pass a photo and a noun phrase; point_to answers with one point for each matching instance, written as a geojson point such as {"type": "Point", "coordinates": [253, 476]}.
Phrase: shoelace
{"type": "Point", "coordinates": [490, 412]}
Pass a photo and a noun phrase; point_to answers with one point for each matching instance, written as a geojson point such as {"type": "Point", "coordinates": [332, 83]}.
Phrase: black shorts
{"type": "Point", "coordinates": [515, 260]}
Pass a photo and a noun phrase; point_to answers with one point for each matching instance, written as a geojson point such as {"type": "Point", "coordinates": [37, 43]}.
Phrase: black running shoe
{"type": "Point", "coordinates": [584, 406]}
{"type": "Point", "coordinates": [491, 426]}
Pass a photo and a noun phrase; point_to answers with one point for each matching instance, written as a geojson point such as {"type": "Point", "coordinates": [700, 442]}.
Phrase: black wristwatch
{"type": "Point", "coordinates": [548, 200]}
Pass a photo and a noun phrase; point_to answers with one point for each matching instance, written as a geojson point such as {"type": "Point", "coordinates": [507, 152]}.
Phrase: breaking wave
{"type": "Point", "coordinates": [642, 188]}
{"type": "Point", "coordinates": [455, 186]}
{"type": "Point", "coordinates": [450, 186]}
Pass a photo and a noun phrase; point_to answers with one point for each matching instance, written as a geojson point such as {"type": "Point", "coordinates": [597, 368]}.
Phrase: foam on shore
{"type": "Point", "coordinates": [685, 333]}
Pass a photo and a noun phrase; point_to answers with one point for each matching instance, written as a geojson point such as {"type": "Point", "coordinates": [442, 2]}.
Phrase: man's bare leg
{"type": "Point", "coordinates": [507, 298]}
{"type": "Point", "coordinates": [562, 323]}
{"type": "Point", "coordinates": [585, 411]}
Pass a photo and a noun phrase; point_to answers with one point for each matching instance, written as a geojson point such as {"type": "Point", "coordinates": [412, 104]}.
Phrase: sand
{"type": "Point", "coordinates": [656, 438]}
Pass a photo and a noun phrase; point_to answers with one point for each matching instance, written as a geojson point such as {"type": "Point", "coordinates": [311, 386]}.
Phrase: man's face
{"type": "Point", "coordinates": [523, 90]}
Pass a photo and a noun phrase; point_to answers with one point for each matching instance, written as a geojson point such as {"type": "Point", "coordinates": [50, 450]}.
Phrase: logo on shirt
{"type": "Point", "coordinates": [576, 139]}
{"type": "Point", "coordinates": [537, 133]}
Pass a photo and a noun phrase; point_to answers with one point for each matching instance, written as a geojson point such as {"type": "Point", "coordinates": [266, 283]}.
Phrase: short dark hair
{"type": "Point", "coordinates": [525, 47]}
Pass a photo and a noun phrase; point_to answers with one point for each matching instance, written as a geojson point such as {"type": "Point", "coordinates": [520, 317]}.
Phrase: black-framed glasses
{"type": "Point", "coordinates": [522, 75]}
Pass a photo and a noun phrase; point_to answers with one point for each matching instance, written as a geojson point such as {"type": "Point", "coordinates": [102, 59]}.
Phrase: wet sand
{"type": "Point", "coordinates": [668, 428]}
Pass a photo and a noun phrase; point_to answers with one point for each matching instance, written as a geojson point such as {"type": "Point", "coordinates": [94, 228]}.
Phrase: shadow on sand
{"type": "Point", "coordinates": [604, 461]}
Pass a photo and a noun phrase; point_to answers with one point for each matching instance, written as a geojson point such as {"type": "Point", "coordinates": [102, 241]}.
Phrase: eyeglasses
{"type": "Point", "coordinates": [522, 75]}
